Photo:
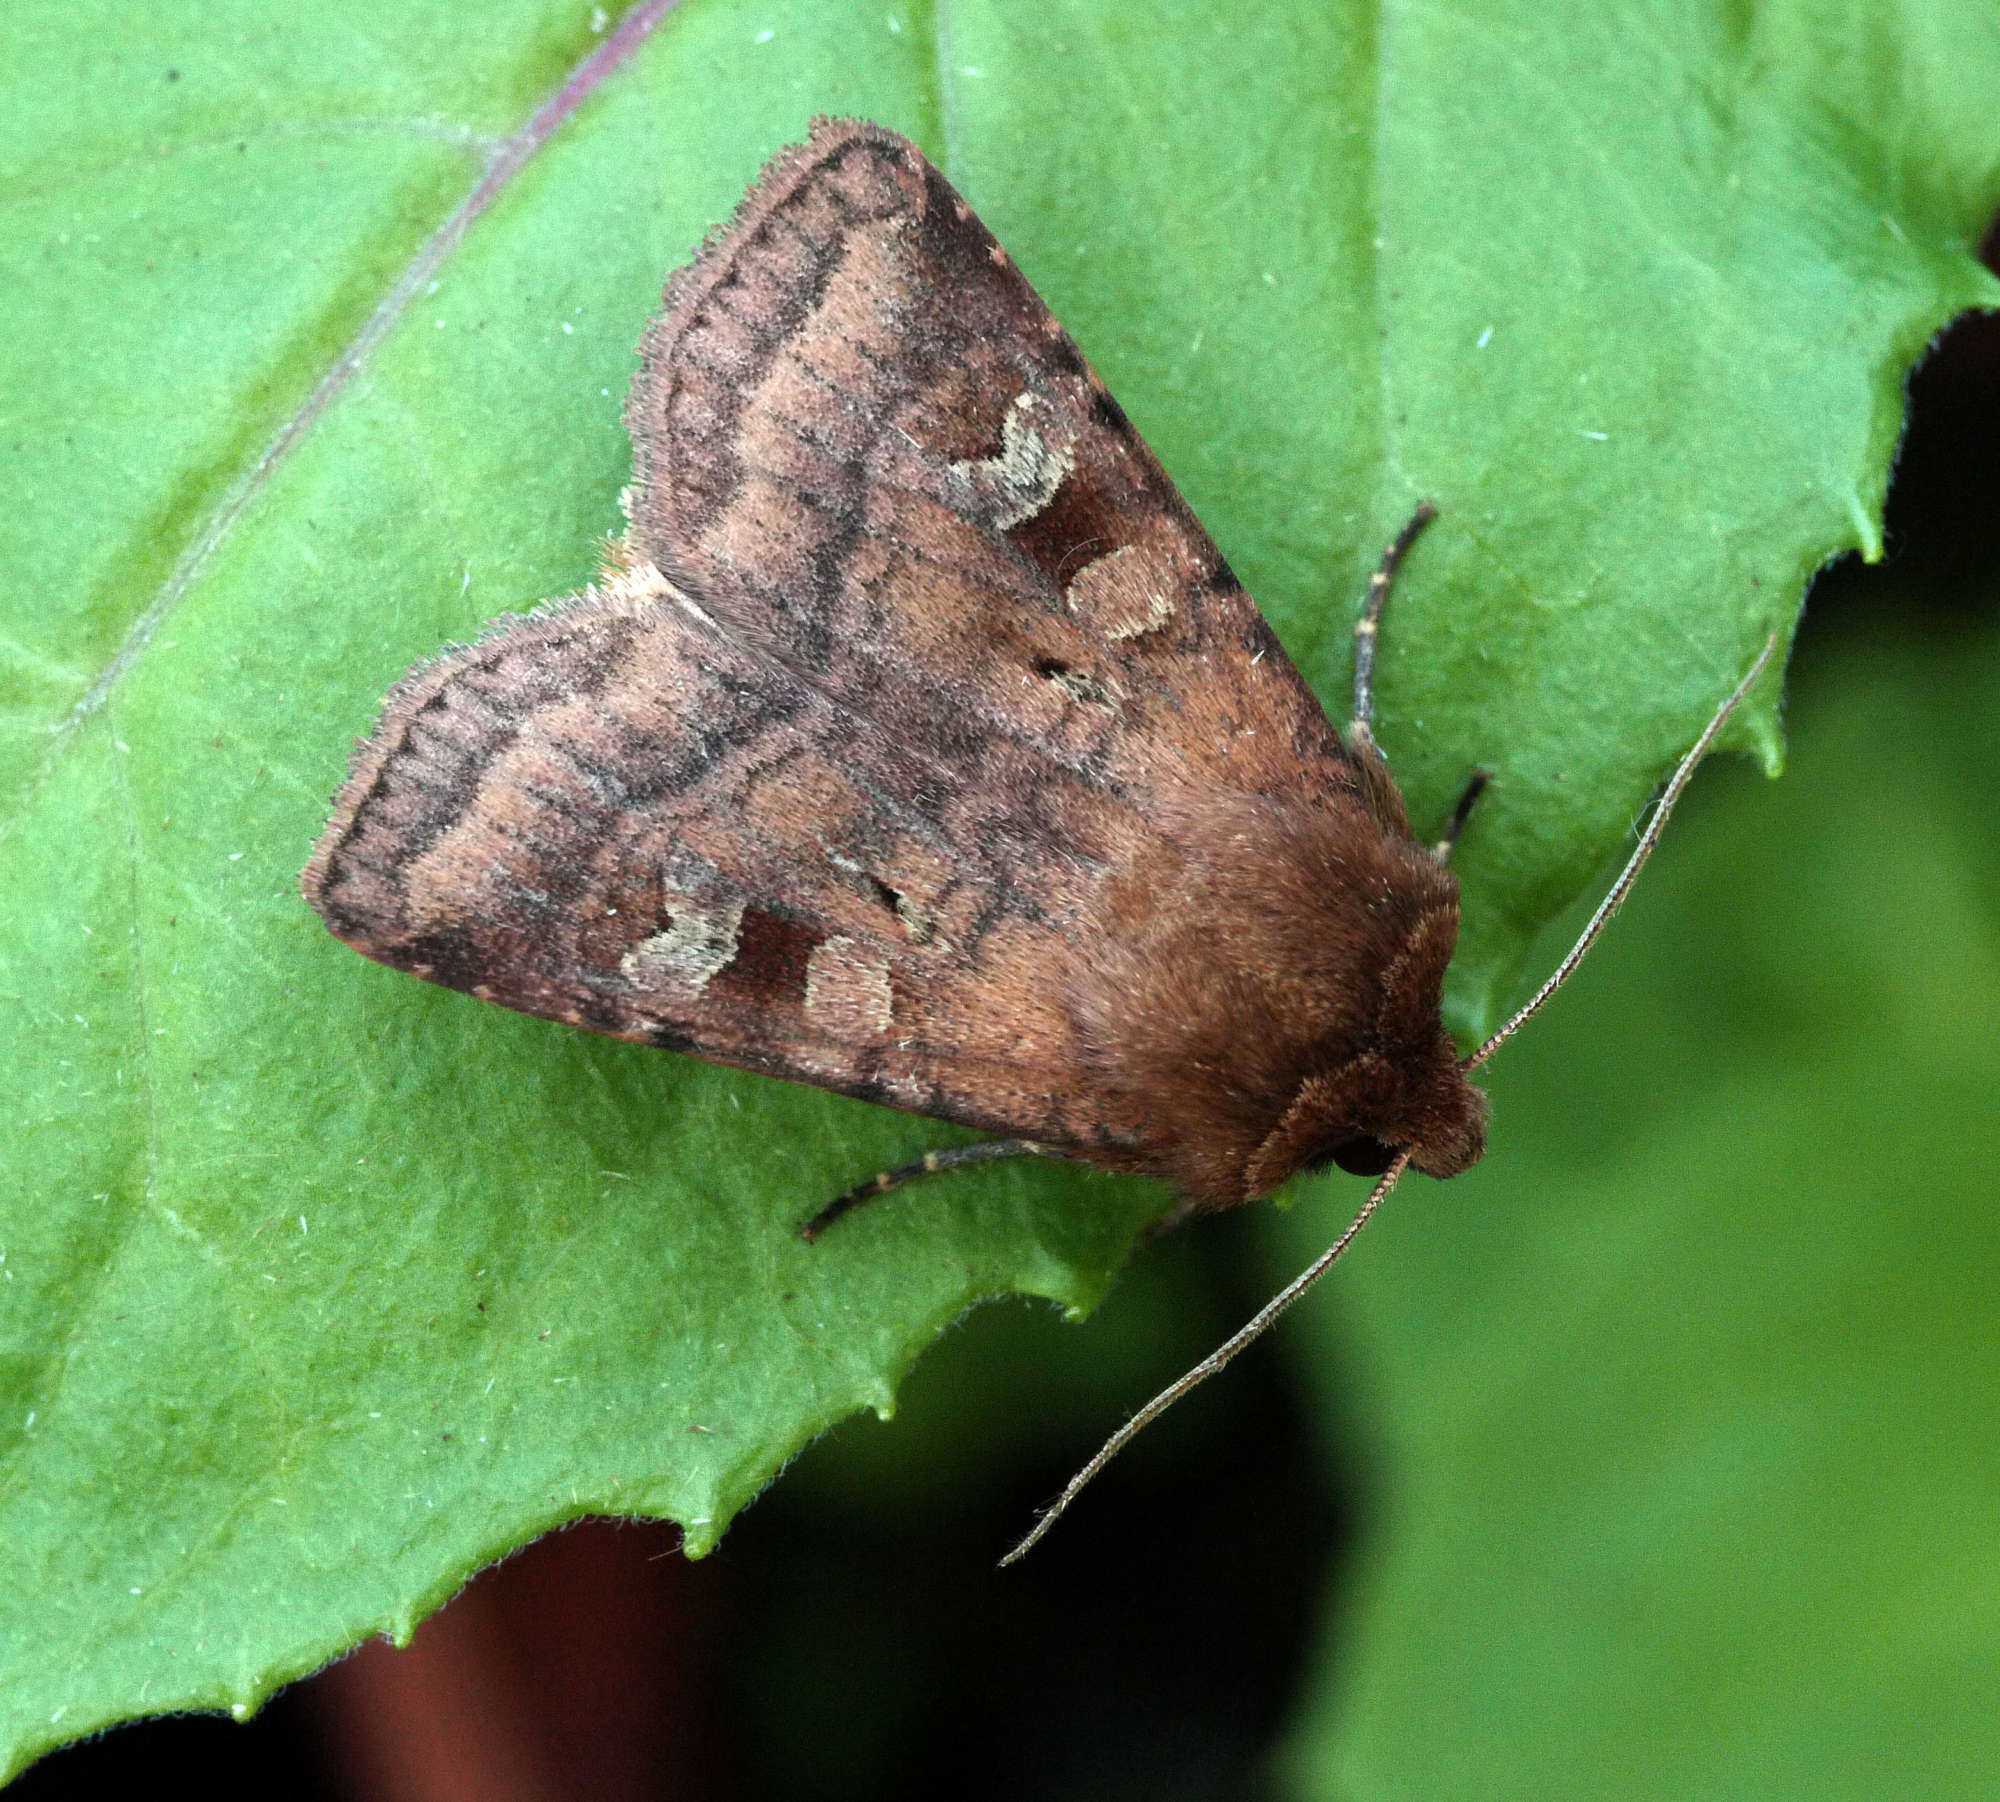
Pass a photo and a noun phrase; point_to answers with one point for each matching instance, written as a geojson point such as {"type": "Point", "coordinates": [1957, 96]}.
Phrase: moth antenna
{"type": "Point", "coordinates": [1477, 786]}
{"type": "Point", "coordinates": [1368, 627]}
{"type": "Point", "coordinates": [1633, 865]}
{"type": "Point", "coordinates": [1259, 1324]}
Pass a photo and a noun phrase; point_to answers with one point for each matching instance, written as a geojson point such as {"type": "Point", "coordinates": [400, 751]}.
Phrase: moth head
{"type": "Point", "coordinates": [1401, 1090]}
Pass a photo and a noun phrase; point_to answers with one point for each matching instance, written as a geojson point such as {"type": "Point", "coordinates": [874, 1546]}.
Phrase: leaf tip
{"type": "Point", "coordinates": [1867, 528]}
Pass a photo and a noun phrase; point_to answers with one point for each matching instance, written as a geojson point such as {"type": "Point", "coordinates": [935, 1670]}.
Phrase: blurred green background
{"type": "Point", "coordinates": [1656, 1457]}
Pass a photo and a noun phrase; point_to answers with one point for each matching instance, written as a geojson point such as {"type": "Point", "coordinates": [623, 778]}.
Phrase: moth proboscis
{"type": "Point", "coordinates": [918, 743]}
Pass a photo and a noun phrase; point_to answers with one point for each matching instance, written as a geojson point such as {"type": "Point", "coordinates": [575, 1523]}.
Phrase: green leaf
{"type": "Point", "coordinates": [321, 1287]}
{"type": "Point", "coordinates": [1678, 1412]}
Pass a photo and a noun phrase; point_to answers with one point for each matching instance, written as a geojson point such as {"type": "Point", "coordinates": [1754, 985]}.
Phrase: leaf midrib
{"type": "Point", "coordinates": [512, 155]}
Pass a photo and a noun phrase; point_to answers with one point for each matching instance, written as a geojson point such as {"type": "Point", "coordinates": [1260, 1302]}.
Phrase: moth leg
{"type": "Point", "coordinates": [1361, 731]}
{"type": "Point", "coordinates": [955, 1157]}
{"type": "Point", "coordinates": [1460, 814]}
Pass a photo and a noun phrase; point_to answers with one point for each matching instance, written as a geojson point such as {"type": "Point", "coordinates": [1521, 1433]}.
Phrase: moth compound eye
{"type": "Point", "coordinates": [1366, 1156]}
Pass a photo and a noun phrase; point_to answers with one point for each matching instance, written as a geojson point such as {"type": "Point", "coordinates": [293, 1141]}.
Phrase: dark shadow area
{"type": "Point", "coordinates": [1942, 520]}
{"type": "Point", "coordinates": [1148, 1648]}
{"type": "Point", "coordinates": [274, 1755]}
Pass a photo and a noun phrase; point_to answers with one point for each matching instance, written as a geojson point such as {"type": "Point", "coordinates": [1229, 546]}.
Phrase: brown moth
{"type": "Point", "coordinates": [919, 743]}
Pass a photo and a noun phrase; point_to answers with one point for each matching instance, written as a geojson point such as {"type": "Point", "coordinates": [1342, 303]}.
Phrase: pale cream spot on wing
{"type": "Point", "coordinates": [919, 921]}
{"type": "Point", "coordinates": [847, 990]}
{"type": "Point", "coordinates": [635, 588]}
{"type": "Point", "coordinates": [1086, 690]}
{"type": "Point", "coordinates": [699, 941]}
{"type": "Point", "coordinates": [1004, 491]}
{"type": "Point", "coordinates": [1126, 594]}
